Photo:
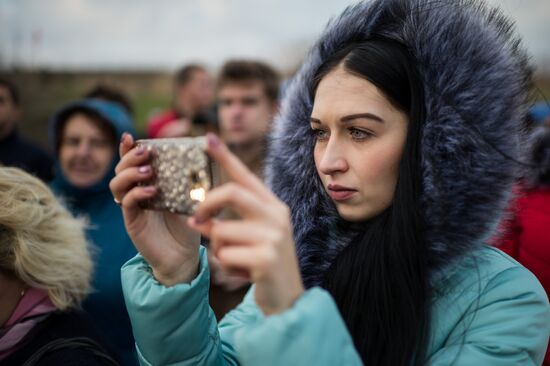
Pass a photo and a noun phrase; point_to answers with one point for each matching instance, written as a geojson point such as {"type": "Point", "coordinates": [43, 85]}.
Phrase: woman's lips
{"type": "Point", "coordinates": [340, 193]}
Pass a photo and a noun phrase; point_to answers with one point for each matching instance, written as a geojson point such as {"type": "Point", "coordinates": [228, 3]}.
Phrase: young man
{"type": "Point", "coordinates": [247, 102]}
{"type": "Point", "coordinates": [15, 150]}
{"type": "Point", "coordinates": [189, 115]}
{"type": "Point", "coordinates": [247, 93]}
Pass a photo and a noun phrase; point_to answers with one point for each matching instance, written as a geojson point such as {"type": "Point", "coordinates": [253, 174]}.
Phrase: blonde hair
{"type": "Point", "coordinates": [41, 243]}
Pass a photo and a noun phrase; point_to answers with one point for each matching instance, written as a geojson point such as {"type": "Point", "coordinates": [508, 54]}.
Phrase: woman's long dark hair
{"type": "Point", "coordinates": [380, 280]}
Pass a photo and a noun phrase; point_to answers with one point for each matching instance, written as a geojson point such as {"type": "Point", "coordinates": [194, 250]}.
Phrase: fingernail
{"type": "Point", "coordinates": [144, 169]}
{"type": "Point", "coordinates": [150, 189]}
{"type": "Point", "coordinates": [123, 137]}
{"type": "Point", "coordinates": [140, 150]}
{"type": "Point", "coordinates": [213, 140]}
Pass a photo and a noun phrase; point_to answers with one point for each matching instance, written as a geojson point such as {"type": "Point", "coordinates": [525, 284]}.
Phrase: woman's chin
{"type": "Point", "coordinates": [356, 213]}
{"type": "Point", "coordinates": [351, 215]}
{"type": "Point", "coordinates": [82, 180]}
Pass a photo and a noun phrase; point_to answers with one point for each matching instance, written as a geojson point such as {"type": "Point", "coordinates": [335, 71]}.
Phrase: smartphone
{"type": "Point", "coordinates": [182, 173]}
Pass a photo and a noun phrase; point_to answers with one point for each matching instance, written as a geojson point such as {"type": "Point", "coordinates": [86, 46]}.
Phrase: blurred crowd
{"type": "Point", "coordinates": [61, 255]}
{"type": "Point", "coordinates": [239, 105]}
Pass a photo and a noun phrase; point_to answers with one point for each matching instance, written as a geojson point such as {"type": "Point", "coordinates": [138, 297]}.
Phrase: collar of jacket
{"type": "Point", "coordinates": [475, 76]}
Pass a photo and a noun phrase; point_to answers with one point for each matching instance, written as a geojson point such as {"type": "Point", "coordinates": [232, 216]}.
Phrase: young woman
{"type": "Point", "coordinates": [390, 165]}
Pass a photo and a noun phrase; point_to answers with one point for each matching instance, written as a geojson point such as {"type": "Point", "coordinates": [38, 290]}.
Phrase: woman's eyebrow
{"type": "Point", "coordinates": [370, 116]}
{"type": "Point", "coordinates": [351, 117]}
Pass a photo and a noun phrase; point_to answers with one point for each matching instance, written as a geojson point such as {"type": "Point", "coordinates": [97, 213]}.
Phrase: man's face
{"type": "Point", "coordinates": [9, 112]}
{"type": "Point", "coordinates": [245, 112]}
{"type": "Point", "coordinates": [199, 91]}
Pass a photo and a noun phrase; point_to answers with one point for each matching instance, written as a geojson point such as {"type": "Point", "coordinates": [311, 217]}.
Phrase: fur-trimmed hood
{"type": "Point", "coordinates": [475, 77]}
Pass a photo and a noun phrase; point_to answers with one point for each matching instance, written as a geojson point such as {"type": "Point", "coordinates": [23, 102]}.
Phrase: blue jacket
{"type": "Point", "coordinates": [112, 245]}
{"type": "Point", "coordinates": [488, 310]}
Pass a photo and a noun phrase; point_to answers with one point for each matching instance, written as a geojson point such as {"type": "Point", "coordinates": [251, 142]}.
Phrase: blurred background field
{"type": "Point", "coordinates": [43, 92]}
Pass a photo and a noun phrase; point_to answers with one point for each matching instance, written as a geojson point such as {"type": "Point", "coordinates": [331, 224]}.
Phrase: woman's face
{"type": "Point", "coordinates": [86, 153]}
{"type": "Point", "coordinates": [360, 138]}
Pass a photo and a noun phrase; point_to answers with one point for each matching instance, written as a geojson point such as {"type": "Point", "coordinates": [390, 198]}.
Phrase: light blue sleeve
{"type": "Point", "coordinates": [175, 326]}
{"type": "Point", "coordinates": [508, 325]}
{"type": "Point", "coordinates": [310, 333]}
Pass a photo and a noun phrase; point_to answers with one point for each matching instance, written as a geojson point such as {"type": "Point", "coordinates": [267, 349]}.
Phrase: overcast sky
{"type": "Point", "coordinates": [162, 34]}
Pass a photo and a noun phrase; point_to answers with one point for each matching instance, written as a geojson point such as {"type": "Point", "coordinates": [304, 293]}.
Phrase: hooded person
{"type": "Point", "coordinates": [540, 113]}
{"type": "Point", "coordinates": [524, 232]}
{"type": "Point", "coordinates": [84, 136]}
{"type": "Point", "coordinates": [390, 166]}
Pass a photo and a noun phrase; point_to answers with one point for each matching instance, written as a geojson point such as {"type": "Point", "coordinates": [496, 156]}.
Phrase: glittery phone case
{"type": "Point", "coordinates": [182, 173]}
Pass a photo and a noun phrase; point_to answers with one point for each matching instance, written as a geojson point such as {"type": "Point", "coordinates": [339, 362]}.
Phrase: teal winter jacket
{"type": "Point", "coordinates": [487, 310]}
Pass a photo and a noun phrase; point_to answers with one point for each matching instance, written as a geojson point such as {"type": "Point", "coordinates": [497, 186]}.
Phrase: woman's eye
{"type": "Point", "coordinates": [319, 134]}
{"type": "Point", "coordinates": [358, 134]}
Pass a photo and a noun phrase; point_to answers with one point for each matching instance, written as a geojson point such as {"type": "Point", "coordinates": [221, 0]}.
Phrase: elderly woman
{"type": "Point", "coordinates": [45, 273]}
{"type": "Point", "coordinates": [84, 135]}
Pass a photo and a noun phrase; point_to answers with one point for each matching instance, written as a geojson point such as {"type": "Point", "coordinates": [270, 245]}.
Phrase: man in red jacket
{"type": "Point", "coordinates": [525, 233]}
{"type": "Point", "coordinates": [193, 96]}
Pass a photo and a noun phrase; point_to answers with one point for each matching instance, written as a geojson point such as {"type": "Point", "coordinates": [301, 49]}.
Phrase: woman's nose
{"type": "Point", "coordinates": [333, 159]}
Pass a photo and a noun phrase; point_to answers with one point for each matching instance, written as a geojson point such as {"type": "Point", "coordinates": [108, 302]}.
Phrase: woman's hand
{"type": "Point", "coordinates": [220, 277]}
{"type": "Point", "coordinates": [260, 246]}
{"type": "Point", "coordinates": [163, 238]}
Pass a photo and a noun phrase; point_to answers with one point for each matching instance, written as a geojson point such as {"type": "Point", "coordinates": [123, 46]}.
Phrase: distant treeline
{"type": "Point", "coordinates": [43, 92]}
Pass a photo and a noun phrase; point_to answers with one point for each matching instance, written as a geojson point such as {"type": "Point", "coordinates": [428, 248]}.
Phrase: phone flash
{"type": "Point", "coordinates": [198, 194]}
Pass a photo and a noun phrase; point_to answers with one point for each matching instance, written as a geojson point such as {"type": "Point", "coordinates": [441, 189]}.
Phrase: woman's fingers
{"type": "Point", "coordinates": [232, 196]}
{"type": "Point", "coordinates": [132, 157]}
{"type": "Point", "coordinates": [237, 171]}
{"type": "Point", "coordinates": [126, 179]}
{"type": "Point", "coordinates": [203, 227]}
{"type": "Point", "coordinates": [135, 195]}
{"type": "Point", "coordinates": [126, 144]}
{"type": "Point", "coordinates": [254, 260]}
{"type": "Point", "coordinates": [231, 233]}
{"type": "Point", "coordinates": [237, 232]}
{"type": "Point", "coordinates": [246, 238]}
